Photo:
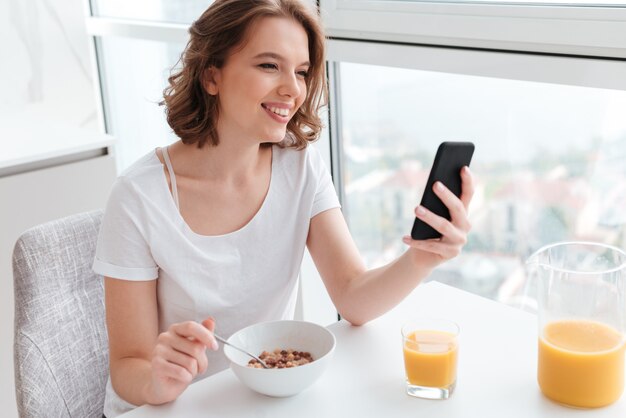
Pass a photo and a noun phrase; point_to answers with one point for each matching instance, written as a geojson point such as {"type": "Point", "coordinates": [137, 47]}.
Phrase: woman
{"type": "Point", "coordinates": [211, 230]}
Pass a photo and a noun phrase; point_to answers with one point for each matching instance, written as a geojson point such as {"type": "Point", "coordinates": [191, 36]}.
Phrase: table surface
{"type": "Point", "coordinates": [496, 376]}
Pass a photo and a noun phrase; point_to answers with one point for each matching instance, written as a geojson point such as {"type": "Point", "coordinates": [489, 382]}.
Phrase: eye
{"type": "Point", "coordinates": [303, 73]}
{"type": "Point", "coordinates": [268, 66]}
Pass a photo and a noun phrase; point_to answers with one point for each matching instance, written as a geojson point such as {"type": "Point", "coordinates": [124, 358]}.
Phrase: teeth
{"type": "Point", "coordinates": [279, 111]}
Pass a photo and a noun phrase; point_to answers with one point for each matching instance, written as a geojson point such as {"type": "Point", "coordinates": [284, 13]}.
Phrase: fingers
{"type": "Point", "coordinates": [443, 249]}
{"type": "Point", "coordinates": [448, 230]}
{"type": "Point", "coordinates": [194, 330]}
{"type": "Point", "coordinates": [467, 186]}
{"type": "Point", "coordinates": [180, 352]}
{"type": "Point", "coordinates": [164, 368]}
{"type": "Point", "coordinates": [182, 360]}
{"type": "Point", "coordinates": [194, 350]}
{"type": "Point", "coordinates": [454, 232]}
{"type": "Point", "coordinates": [458, 209]}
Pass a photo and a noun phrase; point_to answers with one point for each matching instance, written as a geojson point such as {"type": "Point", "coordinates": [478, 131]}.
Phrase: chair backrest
{"type": "Point", "coordinates": [61, 347]}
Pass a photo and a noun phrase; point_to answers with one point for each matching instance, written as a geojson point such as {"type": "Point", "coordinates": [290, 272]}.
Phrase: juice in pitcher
{"type": "Point", "coordinates": [581, 316]}
{"type": "Point", "coordinates": [581, 363]}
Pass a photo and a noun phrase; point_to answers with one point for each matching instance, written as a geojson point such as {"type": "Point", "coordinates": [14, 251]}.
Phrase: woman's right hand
{"type": "Point", "coordinates": [178, 357]}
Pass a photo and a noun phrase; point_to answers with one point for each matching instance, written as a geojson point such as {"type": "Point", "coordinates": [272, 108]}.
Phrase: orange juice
{"type": "Point", "coordinates": [581, 363]}
{"type": "Point", "coordinates": [430, 358]}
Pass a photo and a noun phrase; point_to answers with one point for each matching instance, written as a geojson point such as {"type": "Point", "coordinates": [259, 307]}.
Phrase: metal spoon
{"type": "Point", "coordinates": [223, 341]}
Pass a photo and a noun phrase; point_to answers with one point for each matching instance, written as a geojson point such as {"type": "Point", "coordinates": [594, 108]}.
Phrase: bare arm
{"type": "Point", "coordinates": [361, 295]}
{"type": "Point", "coordinates": [145, 366]}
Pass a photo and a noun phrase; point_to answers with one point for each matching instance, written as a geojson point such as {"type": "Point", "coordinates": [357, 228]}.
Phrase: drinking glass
{"type": "Point", "coordinates": [430, 348]}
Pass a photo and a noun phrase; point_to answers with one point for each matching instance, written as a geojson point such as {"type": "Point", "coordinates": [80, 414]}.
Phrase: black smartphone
{"type": "Point", "coordinates": [450, 158]}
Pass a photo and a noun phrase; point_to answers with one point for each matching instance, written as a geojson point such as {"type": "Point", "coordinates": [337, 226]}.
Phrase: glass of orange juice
{"type": "Point", "coordinates": [582, 322]}
{"type": "Point", "coordinates": [430, 348]}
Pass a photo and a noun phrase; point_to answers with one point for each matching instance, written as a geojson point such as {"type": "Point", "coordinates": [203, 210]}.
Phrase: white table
{"type": "Point", "coordinates": [496, 377]}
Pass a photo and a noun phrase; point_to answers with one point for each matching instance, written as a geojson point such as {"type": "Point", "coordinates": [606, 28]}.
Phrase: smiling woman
{"type": "Point", "coordinates": [194, 216]}
{"type": "Point", "coordinates": [195, 234]}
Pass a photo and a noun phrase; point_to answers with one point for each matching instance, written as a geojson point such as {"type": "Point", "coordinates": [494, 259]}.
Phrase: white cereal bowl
{"type": "Point", "coordinates": [268, 336]}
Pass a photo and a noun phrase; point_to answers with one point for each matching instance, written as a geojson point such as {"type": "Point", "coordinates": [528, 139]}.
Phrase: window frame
{"type": "Point", "coordinates": [581, 30]}
{"type": "Point", "coordinates": [575, 71]}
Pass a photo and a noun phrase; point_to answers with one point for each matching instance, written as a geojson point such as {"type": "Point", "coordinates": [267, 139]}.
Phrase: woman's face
{"type": "Point", "coordinates": [262, 85]}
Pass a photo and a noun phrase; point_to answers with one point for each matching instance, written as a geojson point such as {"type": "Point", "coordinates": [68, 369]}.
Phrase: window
{"type": "Point", "coordinates": [538, 87]}
{"type": "Point", "coordinates": [133, 93]}
{"type": "Point", "coordinates": [178, 11]}
{"type": "Point", "coordinates": [549, 164]}
{"type": "Point", "coordinates": [48, 104]}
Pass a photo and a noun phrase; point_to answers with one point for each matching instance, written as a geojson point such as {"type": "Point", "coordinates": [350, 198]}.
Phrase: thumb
{"type": "Point", "coordinates": [209, 324]}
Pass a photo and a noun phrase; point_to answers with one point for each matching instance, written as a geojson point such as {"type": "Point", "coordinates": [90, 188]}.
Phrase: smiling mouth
{"type": "Point", "coordinates": [277, 110]}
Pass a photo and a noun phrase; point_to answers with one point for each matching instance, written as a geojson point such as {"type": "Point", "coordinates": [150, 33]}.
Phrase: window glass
{"type": "Point", "coordinates": [132, 93]}
{"type": "Point", "coordinates": [550, 165]}
{"type": "Point", "coordinates": [48, 88]}
{"type": "Point", "coordinates": [172, 11]}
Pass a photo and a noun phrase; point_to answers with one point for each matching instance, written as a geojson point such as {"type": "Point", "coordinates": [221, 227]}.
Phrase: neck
{"type": "Point", "coordinates": [229, 161]}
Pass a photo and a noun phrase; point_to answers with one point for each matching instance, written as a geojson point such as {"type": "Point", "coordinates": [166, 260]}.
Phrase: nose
{"type": "Point", "coordinates": [290, 86]}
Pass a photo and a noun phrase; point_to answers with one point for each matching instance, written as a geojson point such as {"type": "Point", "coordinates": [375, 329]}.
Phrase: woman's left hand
{"type": "Point", "coordinates": [453, 232]}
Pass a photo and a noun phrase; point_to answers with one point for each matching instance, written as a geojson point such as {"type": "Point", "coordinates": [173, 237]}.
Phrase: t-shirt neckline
{"type": "Point", "coordinates": [179, 216]}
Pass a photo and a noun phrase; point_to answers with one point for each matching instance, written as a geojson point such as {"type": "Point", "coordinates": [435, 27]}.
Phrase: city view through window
{"type": "Point", "coordinates": [549, 165]}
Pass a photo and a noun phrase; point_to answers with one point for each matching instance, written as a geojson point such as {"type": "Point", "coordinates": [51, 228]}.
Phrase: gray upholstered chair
{"type": "Point", "coordinates": [60, 347]}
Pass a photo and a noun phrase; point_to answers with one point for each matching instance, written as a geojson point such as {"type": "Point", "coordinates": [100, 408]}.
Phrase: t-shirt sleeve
{"type": "Point", "coordinates": [123, 251]}
{"type": "Point", "coordinates": [325, 193]}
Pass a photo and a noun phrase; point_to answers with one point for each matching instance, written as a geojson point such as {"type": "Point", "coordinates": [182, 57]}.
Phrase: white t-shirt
{"type": "Point", "coordinates": [243, 277]}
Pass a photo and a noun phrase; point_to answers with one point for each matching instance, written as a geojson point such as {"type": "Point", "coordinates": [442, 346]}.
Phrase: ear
{"type": "Point", "coordinates": [210, 80]}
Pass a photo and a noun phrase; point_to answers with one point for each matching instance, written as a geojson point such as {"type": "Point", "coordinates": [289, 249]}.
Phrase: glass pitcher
{"type": "Point", "coordinates": [582, 322]}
